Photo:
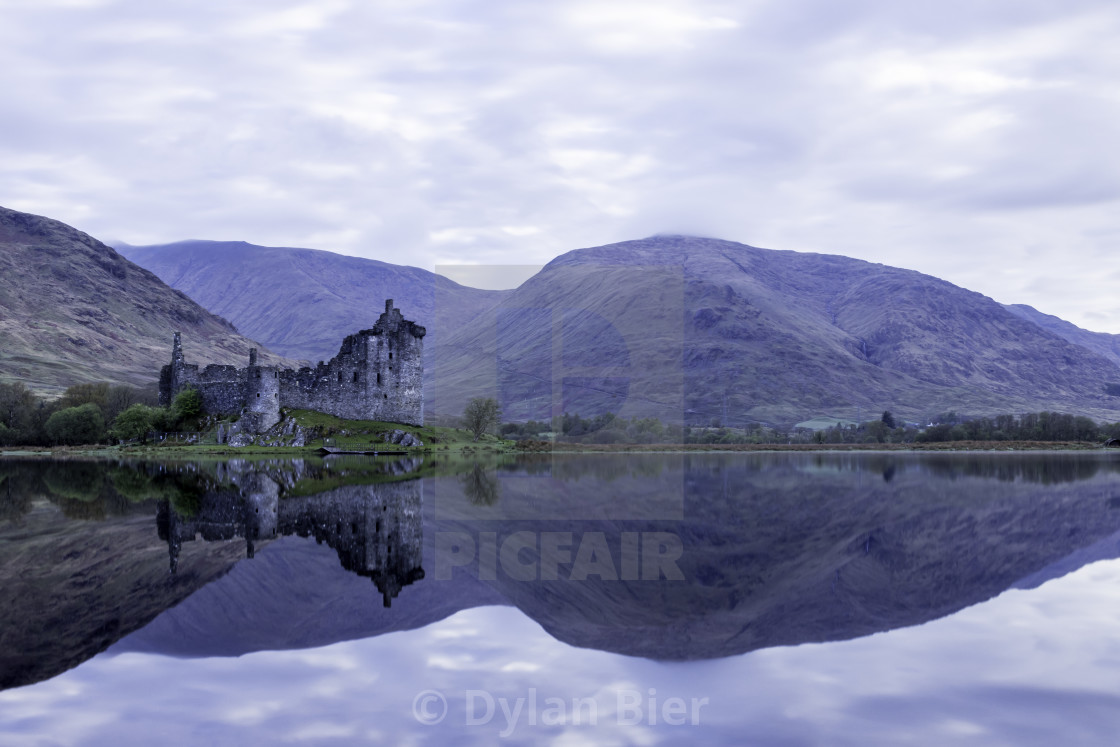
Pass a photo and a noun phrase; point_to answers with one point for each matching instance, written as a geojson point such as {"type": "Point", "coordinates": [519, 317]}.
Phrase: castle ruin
{"type": "Point", "coordinates": [377, 375]}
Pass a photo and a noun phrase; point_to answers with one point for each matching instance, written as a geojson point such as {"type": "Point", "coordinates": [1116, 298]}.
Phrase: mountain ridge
{"type": "Point", "coordinates": [1102, 343]}
{"type": "Point", "coordinates": [773, 334]}
{"type": "Point", "coordinates": [270, 290]}
{"type": "Point", "coordinates": [74, 311]}
{"type": "Point", "coordinates": [726, 332]}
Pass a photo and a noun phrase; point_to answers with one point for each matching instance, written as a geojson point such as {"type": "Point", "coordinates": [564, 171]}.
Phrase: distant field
{"type": "Point", "coordinates": [821, 423]}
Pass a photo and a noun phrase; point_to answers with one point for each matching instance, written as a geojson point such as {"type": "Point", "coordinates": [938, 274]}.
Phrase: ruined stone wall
{"type": "Point", "coordinates": [222, 388]}
{"type": "Point", "coordinates": [377, 375]}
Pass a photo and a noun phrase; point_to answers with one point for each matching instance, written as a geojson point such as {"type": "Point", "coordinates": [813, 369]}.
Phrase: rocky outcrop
{"type": "Point", "coordinates": [402, 438]}
{"type": "Point", "coordinates": [287, 432]}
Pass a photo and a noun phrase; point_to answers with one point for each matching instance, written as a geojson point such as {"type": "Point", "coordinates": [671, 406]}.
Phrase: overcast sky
{"type": "Point", "coordinates": [974, 140]}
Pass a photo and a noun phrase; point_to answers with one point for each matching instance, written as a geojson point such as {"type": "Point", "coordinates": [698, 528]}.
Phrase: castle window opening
{"type": "Point", "coordinates": [340, 376]}
{"type": "Point", "coordinates": [355, 376]}
{"type": "Point", "coordinates": [258, 395]}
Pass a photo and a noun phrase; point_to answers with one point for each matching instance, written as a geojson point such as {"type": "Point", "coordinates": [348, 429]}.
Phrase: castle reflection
{"type": "Point", "coordinates": [375, 529]}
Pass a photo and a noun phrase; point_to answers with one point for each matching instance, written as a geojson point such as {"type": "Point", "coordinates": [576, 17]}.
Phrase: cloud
{"type": "Point", "coordinates": [942, 138]}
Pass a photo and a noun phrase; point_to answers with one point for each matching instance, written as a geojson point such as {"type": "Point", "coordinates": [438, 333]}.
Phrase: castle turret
{"type": "Point", "coordinates": [262, 396]}
{"type": "Point", "coordinates": [170, 375]}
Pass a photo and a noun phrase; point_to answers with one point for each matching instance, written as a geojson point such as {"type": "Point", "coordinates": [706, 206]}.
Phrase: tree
{"type": "Point", "coordinates": [134, 423]}
{"type": "Point", "coordinates": [76, 425]}
{"type": "Point", "coordinates": [120, 397]}
{"type": "Point", "coordinates": [876, 432]}
{"type": "Point", "coordinates": [82, 394]}
{"type": "Point", "coordinates": [187, 404]}
{"type": "Point", "coordinates": [481, 414]}
{"type": "Point", "coordinates": [17, 403]}
{"type": "Point", "coordinates": [888, 419]}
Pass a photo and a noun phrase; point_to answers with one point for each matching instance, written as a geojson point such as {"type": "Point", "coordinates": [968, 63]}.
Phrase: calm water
{"type": "Point", "coordinates": [595, 599]}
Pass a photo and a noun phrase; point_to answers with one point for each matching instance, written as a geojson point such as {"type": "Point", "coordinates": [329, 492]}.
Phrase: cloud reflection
{"type": "Point", "coordinates": [1029, 667]}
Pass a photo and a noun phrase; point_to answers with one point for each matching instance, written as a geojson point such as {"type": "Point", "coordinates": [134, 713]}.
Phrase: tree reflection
{"type": "Point", "coordinates": [481, 486]}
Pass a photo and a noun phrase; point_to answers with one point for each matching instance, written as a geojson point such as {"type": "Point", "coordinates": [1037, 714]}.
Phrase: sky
{"type": "Point", "coordinates": [974, 140]}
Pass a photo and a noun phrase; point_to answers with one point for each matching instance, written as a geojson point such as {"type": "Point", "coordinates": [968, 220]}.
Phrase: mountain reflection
{"type": "Point", "coordinates": [686, 556]}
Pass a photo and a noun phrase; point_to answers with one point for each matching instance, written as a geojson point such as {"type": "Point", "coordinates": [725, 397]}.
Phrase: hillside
{"type": "Point", "coordinates": [1101, 343]}
{"type": "Point", "coordinates": [723, 331]}
{"type": "Point", "coordinates": [671, 326]}
{"type": "Point", "coordinates": [302, 302]}
{"type": "Point", "coordinates": [72, 310]}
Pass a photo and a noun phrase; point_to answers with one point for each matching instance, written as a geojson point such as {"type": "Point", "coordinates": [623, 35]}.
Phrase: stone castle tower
{"type": "Point", "coordinates": [377, 375]}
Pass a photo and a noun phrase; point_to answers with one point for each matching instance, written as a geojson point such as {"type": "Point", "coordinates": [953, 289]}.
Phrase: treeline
{"type": "Point", "coordinates": [1033, 426]}
{"type": "Point", "coordinates": [94, 413]}
{"type": "Point", "coordinates": [608, 429]}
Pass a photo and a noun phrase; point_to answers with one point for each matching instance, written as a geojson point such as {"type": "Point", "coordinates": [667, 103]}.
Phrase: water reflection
{"type": "Point", "coordinates": [685, 556]}
{"type": "Point", "coordinates": [375, 529]}
{"type": "Point", "coordinates": [1029, 467]}
{"type": "Point", "coordinates": [664, 556]}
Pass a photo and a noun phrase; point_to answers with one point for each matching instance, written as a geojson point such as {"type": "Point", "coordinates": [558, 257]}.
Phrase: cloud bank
{"type": "Point", "coordinates": [972, 141]}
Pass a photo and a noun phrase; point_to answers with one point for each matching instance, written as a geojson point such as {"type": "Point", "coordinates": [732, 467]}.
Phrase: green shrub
{"type": "Point", "coordinates": [187, 405]}
{"type": "Point", "coordinates": [135, 423]}
{"type": "Point", "coordinates": [76, 425]}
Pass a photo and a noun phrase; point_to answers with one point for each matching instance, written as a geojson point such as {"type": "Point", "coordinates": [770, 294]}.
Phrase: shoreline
{"type": "Point", "coordinates": [509, 447]}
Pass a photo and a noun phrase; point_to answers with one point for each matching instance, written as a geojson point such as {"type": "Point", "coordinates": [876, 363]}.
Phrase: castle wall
{"type": "Point", "coordinates": [377, 375]}
{"type": "Point", "coordinates": [222, 388]}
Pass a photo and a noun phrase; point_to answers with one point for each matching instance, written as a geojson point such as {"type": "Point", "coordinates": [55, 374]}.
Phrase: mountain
{"type": "Point", "coordinates": [72, 310]}
{"type": "Point", "coordinates": [303, 302]}
{"type": "Point", "coordinates": [723, 331]}
{"type": "Point", "coordinates": [1101, 343]}
{"type": "Point", "coordinates": [678, 327]}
